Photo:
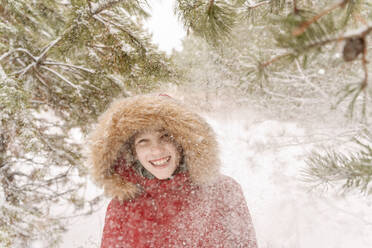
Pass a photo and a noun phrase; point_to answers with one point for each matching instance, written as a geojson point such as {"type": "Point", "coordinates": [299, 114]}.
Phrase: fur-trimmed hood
{"type": "Point", "coordinates": [125, 117]}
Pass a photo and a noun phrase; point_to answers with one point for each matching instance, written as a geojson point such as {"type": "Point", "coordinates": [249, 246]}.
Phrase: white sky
{"type": "Point", "coordinates": [166, 29]}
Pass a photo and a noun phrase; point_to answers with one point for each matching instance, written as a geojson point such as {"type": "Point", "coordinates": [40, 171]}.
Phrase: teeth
{"type": "Point", "coordinates": [160, 162]}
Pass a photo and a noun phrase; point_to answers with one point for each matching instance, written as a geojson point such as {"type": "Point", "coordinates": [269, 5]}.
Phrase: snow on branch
{"type": "Point", "coordinates": [77, 87]}
{"type": "Point", "coordinates": [105, 22]}
{"type": "Point", "coordinates": [24, 70]}
{"type": "Point", "coordinates": [36, 59]}
{"type": "Point", "coordinates": [18, 50]}
{"type": "Point", "coordinates": [50, 62]}
{"type": "Point", "coordinates": [108, 4]}
{"type": "Point", "coordinates": [47, 48]}
{"type": "Point", "coordinates": [253, 6]}
{"type": "Point", "coordinates": [41, 79]}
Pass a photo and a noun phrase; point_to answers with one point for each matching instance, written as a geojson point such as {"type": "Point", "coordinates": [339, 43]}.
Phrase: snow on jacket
{"type": "Point", "coordinates": [196, 208]}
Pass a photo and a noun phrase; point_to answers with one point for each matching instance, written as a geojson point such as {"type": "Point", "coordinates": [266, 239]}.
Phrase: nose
{"type": "Point", "coordinates": [156, 148]}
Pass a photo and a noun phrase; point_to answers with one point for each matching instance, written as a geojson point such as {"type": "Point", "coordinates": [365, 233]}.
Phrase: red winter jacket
{"type": "Point", "coordinates": [176, 213]}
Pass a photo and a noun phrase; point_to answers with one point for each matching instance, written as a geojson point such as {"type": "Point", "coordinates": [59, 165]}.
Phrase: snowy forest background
{"type": "Point", "coordinates": [285, 84]}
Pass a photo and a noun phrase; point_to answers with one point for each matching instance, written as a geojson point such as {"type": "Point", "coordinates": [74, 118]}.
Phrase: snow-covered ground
{"type": "Point", "coordinates": [267, 157]}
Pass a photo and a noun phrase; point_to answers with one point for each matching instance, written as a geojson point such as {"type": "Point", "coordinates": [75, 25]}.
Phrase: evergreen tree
{"type": "Point", "coordinates": [61, 62]}
{"type": "Point", "coordinates": [290, 56]}
{"type": "Point", "coordinates": [69, 58]}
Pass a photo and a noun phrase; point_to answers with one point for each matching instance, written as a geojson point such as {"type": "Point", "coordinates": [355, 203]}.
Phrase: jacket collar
{"type": "Point", "coordinates": [154, 186]}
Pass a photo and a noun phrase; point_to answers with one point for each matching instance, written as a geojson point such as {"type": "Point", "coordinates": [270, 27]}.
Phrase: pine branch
{"type": "Point", "coordinates": [258, 4]}
{"type": "Point", "coordinates": [41, 79]}
{"type": "Point", "coordinates": [50, 62]}
{"type": "Point", "coordinates": [306, 79]}
{"type": "Point", "coordinates": [212, 20]}
{"type": "Point", "coordinates": [77, 87]}
{"type": "Point", "coordinates": [45, 50]}
{"type": "Point", "coordinates": [261, 9]}
{"type": "Point", "coordinates": [51, 146]}
{"type": "Point", "coordinates": [105, 6]}
{"type": "Point", "coordinates": [362, 35]}
{"type": "Point", "coordinates": [36, 59]}
{"type": "Point", "coordinates": [300, 30]}
{"type": "Point", "coordinates": [18, 50]}
{"type": "Point", "coordinates": [353, 170]}
{"type": "Point", "coordinates": [275, 59]}
{"type": "Point", "coordinates": [24, 70]}
{"type": "Point", "coordinates": [134, 39]}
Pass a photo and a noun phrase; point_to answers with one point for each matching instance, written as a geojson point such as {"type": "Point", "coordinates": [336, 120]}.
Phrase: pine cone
{"type": "Point", "coordinates": [353, 47]}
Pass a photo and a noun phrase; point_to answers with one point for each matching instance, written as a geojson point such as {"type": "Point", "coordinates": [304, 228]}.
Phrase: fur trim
{"type": "Point", "coordinates": [126, 116]}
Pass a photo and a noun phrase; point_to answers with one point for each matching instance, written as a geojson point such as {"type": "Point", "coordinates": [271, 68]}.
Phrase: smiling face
{"type": "Point", "coordinates": [157, 152]}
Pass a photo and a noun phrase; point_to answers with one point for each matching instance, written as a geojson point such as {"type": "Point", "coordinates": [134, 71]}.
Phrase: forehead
{"type": "Point", "coordinates": [150, 132]}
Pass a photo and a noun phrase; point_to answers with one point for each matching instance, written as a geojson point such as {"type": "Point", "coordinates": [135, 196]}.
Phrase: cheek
{"type": "Point", "coordinates": [140, 154]}
{"type": "Point", "coordinates": [173, 150]}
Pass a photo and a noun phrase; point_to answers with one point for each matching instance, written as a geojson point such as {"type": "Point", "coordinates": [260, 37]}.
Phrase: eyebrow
{"type": "Point", "coordinates": [159, 132]}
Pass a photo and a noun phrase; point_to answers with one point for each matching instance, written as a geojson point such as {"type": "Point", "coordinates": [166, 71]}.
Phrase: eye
{"type": "Point", "coordinates": [165, 135]}
{"type": "Point", "coordinates": [141, 141]}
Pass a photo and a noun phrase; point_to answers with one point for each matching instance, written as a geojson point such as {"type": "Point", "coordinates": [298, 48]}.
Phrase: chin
{"type": "Point", "coordinates": [163, 177]}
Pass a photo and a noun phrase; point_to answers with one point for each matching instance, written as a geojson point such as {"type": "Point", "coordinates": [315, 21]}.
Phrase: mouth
{"type": "Point", "coordinates": [161, 162]}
